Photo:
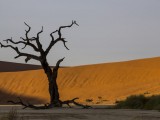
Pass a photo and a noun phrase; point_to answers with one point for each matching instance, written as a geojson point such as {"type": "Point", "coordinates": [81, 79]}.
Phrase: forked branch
{"type": "Point", "coordinates": [54, 41]}
{"type": "Point", "coordinates": [55, 69]}
{"type": "Point", "coordinates": [22, 42]}
{"type": "Point", "coordinates": [61, 27]}
{"type": "Point", "coordinates": [40, 49]}
{"type": "Point", "coordinates": [21, 53]}
{"type": "Point", "coordinates": [68, 102]}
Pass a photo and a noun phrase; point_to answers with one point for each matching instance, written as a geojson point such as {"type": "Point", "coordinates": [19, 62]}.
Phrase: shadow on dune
{"type": "Point", "coordinates": [12, 67]}
{"type": "Point", "coordinates": [5, 96]}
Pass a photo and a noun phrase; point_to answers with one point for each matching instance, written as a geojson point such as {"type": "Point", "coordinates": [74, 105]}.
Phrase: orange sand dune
{"type": "Point", "coordinates": [110, 81]}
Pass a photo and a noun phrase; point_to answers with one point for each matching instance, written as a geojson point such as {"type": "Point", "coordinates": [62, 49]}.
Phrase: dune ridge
{"type": "Point", "coordinates": [104, 83]}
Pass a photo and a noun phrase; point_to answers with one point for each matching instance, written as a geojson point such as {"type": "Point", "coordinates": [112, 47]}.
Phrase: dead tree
{"type": "Point", "coordinates": [35, 44]}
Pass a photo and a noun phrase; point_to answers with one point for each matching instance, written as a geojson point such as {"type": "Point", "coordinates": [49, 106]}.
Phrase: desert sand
{"type": "Point", "coordinates": [103, 83]}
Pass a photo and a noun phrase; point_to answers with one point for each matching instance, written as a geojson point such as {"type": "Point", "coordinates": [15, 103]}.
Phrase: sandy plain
{"type": "Point", "coordinates": [98, 113]}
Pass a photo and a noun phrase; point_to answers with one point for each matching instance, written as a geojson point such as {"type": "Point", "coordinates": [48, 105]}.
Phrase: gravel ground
{"type": "Point", "coordinates": [98, 113]}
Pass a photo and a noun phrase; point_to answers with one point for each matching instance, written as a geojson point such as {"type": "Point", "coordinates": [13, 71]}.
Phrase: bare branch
{"type": "Point", "coordinates": [20, 102]}
{"type": "Point", "coordinates": [38, 42]}
{"type": "Point", "coordinates": [29, 56]}
{"type": "Point", "coordinates": [22, 42]}
{"type": "Point", "coordinates": [28, 105]}
{"type": "Point", "coordinates": [64, 43]}
{"type": "Point", "coordinates": [27, 25]}
{"type": "Point", "coordinates": [39, 32]}
{"type": "Point", "coordinates": [20, 53]}
{"type": "Point", "coordinates": [17, 56]}
{"type": "Point", "coordinates": [75, 103]}
{"type": "Point", "coordinates": [30, 39]}
{"type": "Point", "coordinates": [53, 42]}
{"type": "Point", "coordinates": [10, 40]}
{"type": "Point", "coordinates": [55, 69]}
{"type": "Point", "coordinates": [52, 34]}
{"type": "Point", "coordinates": [27, 31]}
{"type": "Point", "coordinates": [24, 46]}
{"type": "Point", "coordinates": [48, 106]}
{"type": "Point", "coordinates": [14, 48]}
{"type": "Point", "coordinates": [61, 27]}
{"type": "Point", "coordinates": [27, 59]}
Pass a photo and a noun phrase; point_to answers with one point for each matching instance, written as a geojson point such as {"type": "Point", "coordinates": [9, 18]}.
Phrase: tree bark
{"type": "Point", "coordinates": [52, 81]}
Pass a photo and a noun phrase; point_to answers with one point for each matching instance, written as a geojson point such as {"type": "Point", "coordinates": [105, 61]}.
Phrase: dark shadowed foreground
{"type": "Point", "coordinates": [82, 114]}
{"type": "Point", "coordinates": [6, 96]}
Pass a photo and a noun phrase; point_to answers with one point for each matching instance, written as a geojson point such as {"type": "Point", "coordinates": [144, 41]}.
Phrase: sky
{"type": "Point", "coordinates": [108, 31]}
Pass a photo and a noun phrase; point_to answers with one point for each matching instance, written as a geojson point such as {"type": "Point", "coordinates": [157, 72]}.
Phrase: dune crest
{"type": "Point", "coordinates": [103, 83]}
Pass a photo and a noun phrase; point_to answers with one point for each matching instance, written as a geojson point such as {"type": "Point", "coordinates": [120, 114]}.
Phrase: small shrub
{"type": "Point", "coordinates": [89, 100]}
{"type": "Point", "coordinates": [153, 103]}
{"type": "Point", "coordinates": [132, 102]}
{"type": "Point", "coordinates": [140, 102]}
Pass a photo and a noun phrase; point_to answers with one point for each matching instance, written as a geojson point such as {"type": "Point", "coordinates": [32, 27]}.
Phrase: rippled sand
{"type": "Point", "coordinates": [100, 83]}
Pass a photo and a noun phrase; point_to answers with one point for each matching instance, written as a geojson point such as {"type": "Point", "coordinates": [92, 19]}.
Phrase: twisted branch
{"type": "Point", "coordinates": [39, 45]}
{"type": "Point", "coordinates": [55, 69]}
{"type": "Point", "coordinates": [20, 53]}
{"type": "Point", "coordinates": [38, 42]}
{"type": "Point", "coordinates": [49, 106]}
{"type": "Point", "coordinates": [68, 102]}
{"type": "Point", "coordinates": [53, 41]}
{"type": "Point", "coordinates": [28, 105]}
{"type": "Point", "coordinates": [61, 27]}
{"type": "Point", "coordinates": [22, 42]}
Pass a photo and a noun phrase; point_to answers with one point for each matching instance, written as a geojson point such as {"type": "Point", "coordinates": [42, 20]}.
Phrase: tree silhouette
{"type": "Point", "coordinates": [35, 44]}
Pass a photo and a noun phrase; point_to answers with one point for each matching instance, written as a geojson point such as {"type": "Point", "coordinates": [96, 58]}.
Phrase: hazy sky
{"type": "Point", "coordinates": [110, 30]}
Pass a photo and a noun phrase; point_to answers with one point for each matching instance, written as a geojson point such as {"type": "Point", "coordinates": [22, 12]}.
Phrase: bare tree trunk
{"type": "Point", "coordinates": [54, 94]}
{"type": "Point", "coordinates": [53, 87]}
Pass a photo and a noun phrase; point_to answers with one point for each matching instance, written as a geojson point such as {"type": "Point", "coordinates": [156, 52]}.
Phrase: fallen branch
{"type": "Point", "coordinates": [48, 106]}
{"type": "Point", "coordinates": [68, 102]}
